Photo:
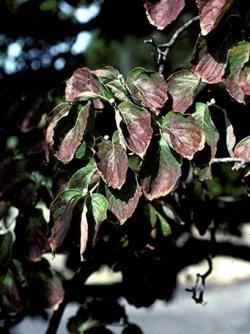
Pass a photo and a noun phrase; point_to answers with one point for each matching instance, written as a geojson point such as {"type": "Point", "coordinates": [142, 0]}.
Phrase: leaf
{"type": "Point", "coordinates": [60, 111]}
{"type": "Point", "coordinates": [203, 117]}
{"type": "Point", "coordinates": [162, 12]}
{"type": "Point", "coordinates": [148, 88]}
{"type": "Point", "coordinates": [99, 206]}
{"type": "Point", "coordinates": [31, 234]}
{"type": "Point", "coordinates": [123, 203]}
{"type": "Point", "coordinates": [6, 242]}
{"type": "Point", "coordinates": [81, 179]}
{"type": "Point", "coordinates": [211, 12]}
{"type": "Point", "coordinates": [242, 149]}
{"type": "Point", "coordinates": [238, 81]}
{"type": "Point", "coordinates": [182, 86]}
{"type": "Point", "coordinates": [165, 174]}
{"type": "Point", "coordinates": [135, 125]}
{"type": "Point", "coordinates": [113, 162]}
{"type": "Point", "coordinates": [155, 217]}
{"type": "Point", "coordinates": [184, 134]}
{"type": "Point", "coordinates": [61, 211]}
{"type": "Point", "coordinates": [84, 230]}
{"type": "Point", "coordinates": [209, 70]}
{"type": "Point", "coordinates": [11, 301]}
{"type": "Point", "coordinates": [74, 137]}
{"type": "Point", "coordinates": [230, 137]}
{"type": "Point", "coordinates": [113, 80]}
{"type": "Point", "coordinates": [84, 85]}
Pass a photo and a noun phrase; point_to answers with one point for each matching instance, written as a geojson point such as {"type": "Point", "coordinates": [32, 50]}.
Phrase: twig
{"type": "Point", "coordinates": [200, 284]}
{"type": "Point", "coordinates": [163, 49]}
{"type": "Point", "coordinates": [239, 163]}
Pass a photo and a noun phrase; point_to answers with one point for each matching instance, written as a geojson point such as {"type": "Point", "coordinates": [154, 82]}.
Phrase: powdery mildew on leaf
{"type": "Point", "coordinates": [162, 12]}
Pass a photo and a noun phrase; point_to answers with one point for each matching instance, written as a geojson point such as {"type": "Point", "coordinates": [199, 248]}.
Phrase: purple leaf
{"type": "Point", "coordinates": [162, 12]}
{"type": "Point", "coordinates": [113, 162]}
{"type": "Point", "coordinates": [165, 174]}
{"type": "Point", "coordinates": [242, 149]}
{"type": "Point", "coordinates": [60, 111]}
{"type": "Point", "coordinates": [182, 86]}
{"type": "Point", "coordinates": [123, 203]}
{"type": "Point", "coordinates": [74, 137]}
{"type": "Point", "coordinates": [135, 124]}
{"type": "Point", "coordinates": [184, 134]}
{"type": "Point", "coordinates": [210, 13]}
{"type": "Point", "coordinates": [148, 88]}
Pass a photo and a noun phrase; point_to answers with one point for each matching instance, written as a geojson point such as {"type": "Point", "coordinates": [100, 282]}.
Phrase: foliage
{"type": "Point", "coordinates": [136, 163]}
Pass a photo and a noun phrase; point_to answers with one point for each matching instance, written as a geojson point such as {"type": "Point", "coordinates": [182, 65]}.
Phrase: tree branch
{"type": "Point", "coordinates": [163, 49]}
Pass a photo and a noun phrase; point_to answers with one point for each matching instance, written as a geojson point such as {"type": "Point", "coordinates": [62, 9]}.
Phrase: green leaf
{"type": "Point", "coordinates": [81, 179]}
{"type": "Point", "coordinates": [112, 162]}
{"type": "Point", "coordinates": [211, 12]}
{"type": "Point", "coordinates": [134, 124]}
{"type": "Point", "coordinates": [155, 217]}
{"type": "Point", "coordinates": [113, 80]}
{"type": "Point", "coordinates": [165, 171]}
{"type": "Point", "coordinates": [74, 137]}
{"type": "Point", "coordinates": [182, 86]}
{"type": "Point", "coordinates": [61, 211]}
{"type": "Point", "coordinates": [203, 117]}
{"type": "Point", "coordinates": [99, 206]}
{"type": "Point", "coordinates": [183, 134]}
{"type": "Point", "coordinates": [238, 81]}
{"type": "Point", "coordinates": [148, 88]}
{"type": "Point", "coordinates": [242, 149]}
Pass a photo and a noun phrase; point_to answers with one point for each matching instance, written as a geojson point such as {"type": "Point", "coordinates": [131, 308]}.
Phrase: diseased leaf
{"type": "Point", "coordinates": [203, 117]}
{"type": "Point", "coordinates": [61, 211]}
{"type": "Point", "coordinates": [211, 12]}
{"type": "Point", "coordinates": [74, 137]}
{"type": "Point", "coordinates": [99, 206]}
{"type": "Point", "coordinates": [81, 179]}
{"type": "Point", "coordinates": [238, 81]}
{"type": "Point", "coordinates": [123, 203]}
{"type": "Point", "coordinates": [113, 80]}
{"type": "Point", "coordinates": [165, 174]}
{"type": "Point", "coordinates": [113, 162]}
{"type": "Point", "coordinates": [209, 70]}
{"type": "Point", "coordinates": [135, 124]}
{"type": "Point", "coordinates": [60, 111]}
{"type": "Point", "coordinates": [242, 149]}
{"type": "Point", "coordinates": [230, 136]}
{"type": "Point", "coordinates": [84, 85]}
{"type": "Point", "coordinates": [148, 88]}
{"type": "Point", "coordinates": [162, 12]}
{"type": "Point", "coordinates": [181, 86]}
{"type": "Point", "coordinates": [84, 230]}
{"type": "Point", "coordinates": [184, 134]}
